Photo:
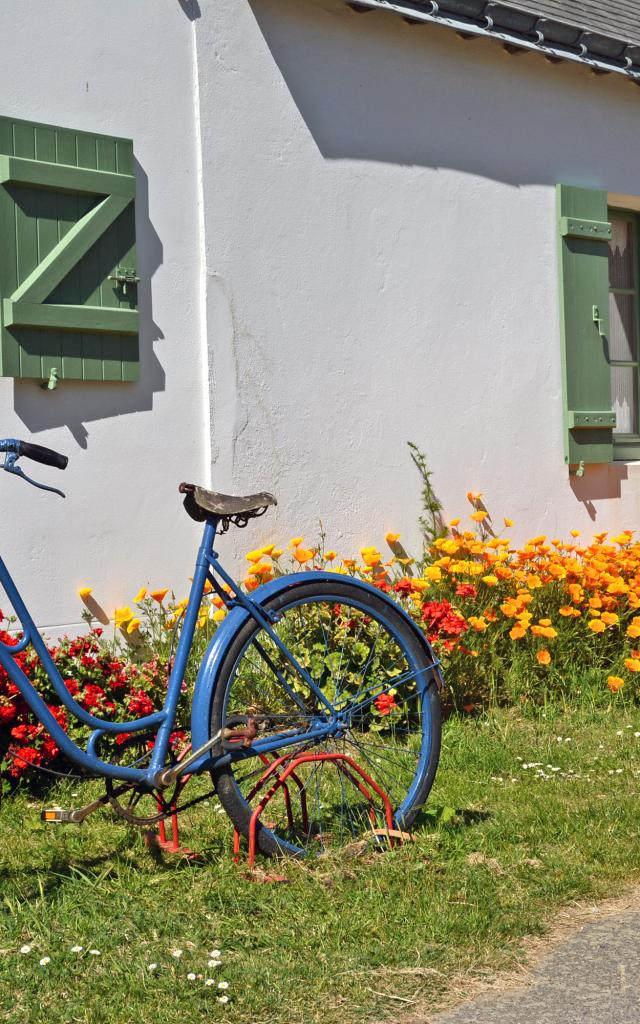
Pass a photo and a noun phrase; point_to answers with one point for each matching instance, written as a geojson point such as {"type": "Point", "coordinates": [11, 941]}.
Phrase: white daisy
{"type": "Point", "coordinates": [215, 954]}
{"type": "Point", "coordinates": [214, 963]}
{"type": "Point", "coordinates": [152, 967]}
{"type": "Point", "coordinates": [177, 953]}
{"type": "Point", "coordinates": [223, 999]}
{"type": "Point", "coordinates": [95, 952]}
{"type": "Point", "coordinates": [25, 949]}
{"type": "Point", "coordinates": [223, 984]}
{"type": "Point", "coordinates": [191, 977]}
{"type": "Point", "coordinates": [209, 981]}
{"type": "Point", "coordinates": [45, 960]}
{"type": "Point", "coordinates": [76, 949]}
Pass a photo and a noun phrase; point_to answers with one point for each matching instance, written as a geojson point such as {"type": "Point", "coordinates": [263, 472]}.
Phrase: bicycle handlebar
{"type": "Point", "coordinates": [38, 453]}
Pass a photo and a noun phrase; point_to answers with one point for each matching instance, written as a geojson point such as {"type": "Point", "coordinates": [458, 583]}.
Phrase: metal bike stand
{"type": "Point", "coordinates": [280, 770]}
{"type": "Point", "coordinates": [161, 841]}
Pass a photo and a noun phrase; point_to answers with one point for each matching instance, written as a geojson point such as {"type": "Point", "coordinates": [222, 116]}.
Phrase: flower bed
{"type": "Point", "coordinates": [507, 622]}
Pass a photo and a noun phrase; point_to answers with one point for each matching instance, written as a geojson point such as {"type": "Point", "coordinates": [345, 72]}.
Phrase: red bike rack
{"type": "Point", "coordinates": [278, 774]}
{"type": "Point", "coordinates": [285, 768]}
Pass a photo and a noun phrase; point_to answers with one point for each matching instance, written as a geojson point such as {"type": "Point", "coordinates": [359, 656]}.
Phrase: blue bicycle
{"type": "Point", "coordinates": [311, 662]}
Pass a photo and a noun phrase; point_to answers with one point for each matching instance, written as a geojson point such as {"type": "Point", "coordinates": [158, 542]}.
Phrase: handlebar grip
{"type": "Point", "coordinates": [44, 455]}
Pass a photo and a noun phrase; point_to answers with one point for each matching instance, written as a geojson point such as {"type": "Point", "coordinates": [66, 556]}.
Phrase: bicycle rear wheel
{"type": "Point", "coordinates": [368, 662]}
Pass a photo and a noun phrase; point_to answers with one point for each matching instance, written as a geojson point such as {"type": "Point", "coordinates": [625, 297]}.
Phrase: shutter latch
{"type": "Point", "coordinates": [124, 276]}
{"type": "Point", "coordinates": [598, 321]}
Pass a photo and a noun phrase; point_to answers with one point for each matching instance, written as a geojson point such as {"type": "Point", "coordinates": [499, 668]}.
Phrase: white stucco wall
{"type": "Point", "coordinates": [126, 69]}
{"type": "Point", "coordinates": [352, 219]}
{"type": "Point", "coordinates": [381, 266]}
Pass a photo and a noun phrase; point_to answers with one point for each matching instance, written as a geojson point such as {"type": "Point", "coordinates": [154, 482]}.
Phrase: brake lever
{"type": "Point", "coordinates": [10, 466]}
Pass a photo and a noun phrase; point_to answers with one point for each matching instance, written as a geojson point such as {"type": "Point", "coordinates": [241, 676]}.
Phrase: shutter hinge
{"type": "Point", "coordinates": [578, 227]}
{"type": "Point", "coordinates": [591, 420]}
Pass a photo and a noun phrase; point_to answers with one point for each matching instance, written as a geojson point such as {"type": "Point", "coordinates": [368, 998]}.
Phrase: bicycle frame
{"type": "Point", "coordinates": [208, 569]}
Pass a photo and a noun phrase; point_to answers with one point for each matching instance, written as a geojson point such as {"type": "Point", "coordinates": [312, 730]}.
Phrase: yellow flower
{"type": "Point", "coordinates": [533, 582]}
{"type": "Point", "coordinates": [140, 596]}
{"type": "Point", "coordinates": [598, 626]}
{"type": "Point", "coordinates": [454, 522]}
{"type": "Point", "coordinates": [546, 631]}
{"type": "Point", "coordinates": [491, 581]}
{"type": "Point", "coordinates": [371, 556]}
{"type": "Point", "coordinates": [392, 538]}
{"type": "Point", "coordinates": [133, 625]}
{"type": "Point", "coordinates": [569, 612]}
{"type": "Point", "coordinates": [261, 569]}
{"type": "Point", "coordinates": [276, 553]}
{"type": "Point", "coordinates": [473, 498]}
{"type": "Point", "coordinates": [478, 623]}
{"type": "Point", "coordinates": [615, 683]}
{"type": "Point", "coordinates": [478, 516]}
{"type": "Point", "coordinates": [302, 555]}
{"type": "Point", "coordinates": [433, 572]}
{"type": "Point", "coordinates": [575, 533]}
{"type": "Point", "coordinates": [84, 592]}
{"type": "Point", "coordinates": [122, 616]}
{"type": "Point", "coordinates": [159, 595]}
{"type": "Point", "coordinates": [508, 522]}
{"type": "Point", "coordinates": [633, 664]}
{"type": "Point", "coordinates": [610, 618]}
{"type": "Point", "coordinates": [633, 631]}
{"type": "Point", "coordinates": [254, 556]}
{"type": "Point", "coordinates": [268, 549]}
{"type": "Point", "coordinates": [295, 542]}
{"type": "Point", "coordinates": [329, 556]}
{"type": "Point", "coordinates": [219, 614]}
{"type": "Point", "coordinates": [543, 657]}
{"type": "Point", "coordinates": [517, 632]}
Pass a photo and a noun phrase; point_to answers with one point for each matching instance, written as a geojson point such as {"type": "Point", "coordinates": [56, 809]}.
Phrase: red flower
{"type": "Point", "coordinates": [385, 703]}
{"type": "Point", "coordinates": [466, 590]}
{"type": "Point", "coordinates": [7, 712]}
{"type": "Point", "coordinates": [140, 703]}
{"type": "Point", "coordinates": [403, 586]}
{"type": "Point", "coordinates": [442, 619]}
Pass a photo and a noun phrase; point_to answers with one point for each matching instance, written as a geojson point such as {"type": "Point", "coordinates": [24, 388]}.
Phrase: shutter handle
{"type": "Point", "coordinates": [598, 321]}
{"type": "Point", "coordinates": [124, 276]}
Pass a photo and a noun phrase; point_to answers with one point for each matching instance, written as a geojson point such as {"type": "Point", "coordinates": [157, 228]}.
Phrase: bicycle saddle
{"type": "Point", "coordinates": [201, 503]}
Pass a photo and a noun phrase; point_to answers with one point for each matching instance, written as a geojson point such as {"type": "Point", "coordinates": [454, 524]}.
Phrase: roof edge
{"type": "Point", "coordinates": [555, 40]}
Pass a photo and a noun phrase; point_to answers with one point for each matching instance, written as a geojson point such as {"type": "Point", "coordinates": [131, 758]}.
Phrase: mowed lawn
{"type": "Point", "coordinates": [530, 811]}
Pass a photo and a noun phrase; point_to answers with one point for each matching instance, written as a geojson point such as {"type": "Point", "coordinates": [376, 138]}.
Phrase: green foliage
{"type": "Point", "coordinates": [431, 521]}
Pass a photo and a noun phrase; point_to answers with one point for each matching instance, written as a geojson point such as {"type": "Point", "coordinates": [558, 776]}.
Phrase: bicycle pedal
{"type": "Point", "coordinates": [57, 816]}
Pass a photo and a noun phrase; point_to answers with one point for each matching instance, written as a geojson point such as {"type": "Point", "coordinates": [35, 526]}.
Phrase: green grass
{"type": "Point", "coordinates": [346, 934]}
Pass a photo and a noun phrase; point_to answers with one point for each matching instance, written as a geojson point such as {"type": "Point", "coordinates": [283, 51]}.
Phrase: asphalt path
{"type": "Point", "coordinates": [593, 977]}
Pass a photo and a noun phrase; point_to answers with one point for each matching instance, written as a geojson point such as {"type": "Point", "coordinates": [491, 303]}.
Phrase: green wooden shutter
{"type": "Point", "coordinates": [67, 247]}
{"type": "Point", "coordinates": [584, 231]}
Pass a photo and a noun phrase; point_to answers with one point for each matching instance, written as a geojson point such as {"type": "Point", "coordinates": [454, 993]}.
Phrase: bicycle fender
{"type": "Point", "coordinates": [209, 672]}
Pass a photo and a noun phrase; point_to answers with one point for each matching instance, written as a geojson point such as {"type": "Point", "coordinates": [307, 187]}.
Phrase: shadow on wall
{"type": "Point", "coordinates": [372, 87]}
{"type": "Point", "coordinates": [599, 483]}
{"type": "Point", "coordinates": [191, 8]}
{"type": "Point", "coordinates": [74, 403]}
